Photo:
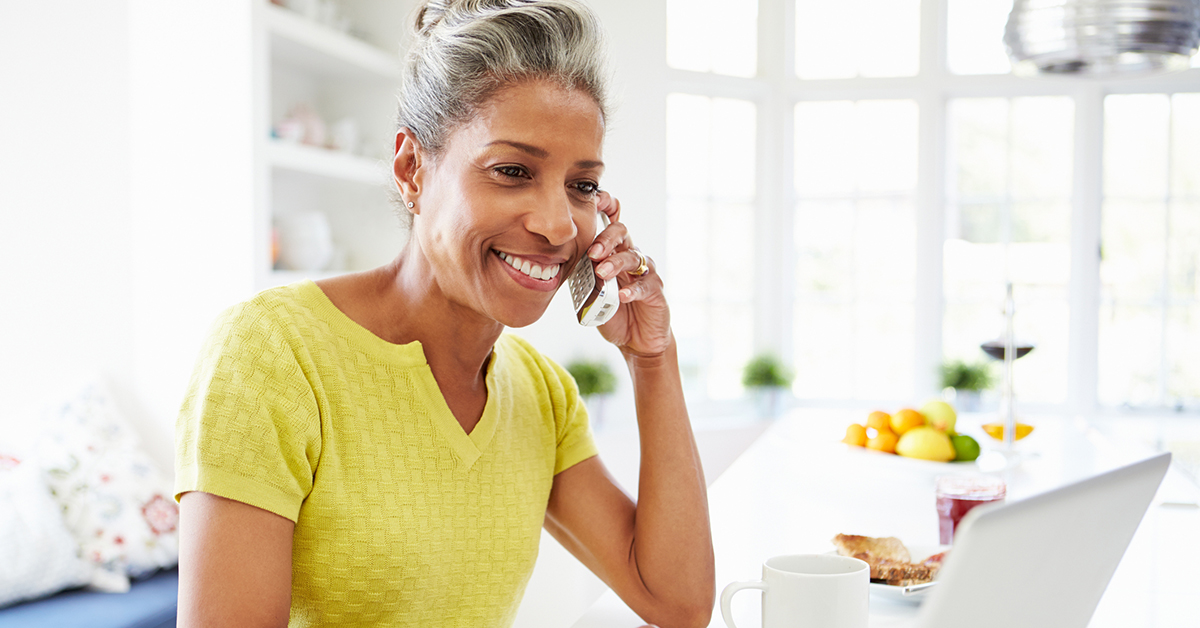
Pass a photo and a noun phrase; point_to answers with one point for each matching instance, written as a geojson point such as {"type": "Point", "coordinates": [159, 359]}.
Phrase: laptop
{"type": "Point", "coordinates": [1044, 560]}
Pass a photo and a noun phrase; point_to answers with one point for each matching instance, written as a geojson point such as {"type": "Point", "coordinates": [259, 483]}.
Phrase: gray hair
{"type": "Point", "coordinates": [467, 50]}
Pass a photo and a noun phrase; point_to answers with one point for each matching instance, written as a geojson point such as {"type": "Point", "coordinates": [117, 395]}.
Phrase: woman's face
{"type": "Point", "coordinates": [510, 205]}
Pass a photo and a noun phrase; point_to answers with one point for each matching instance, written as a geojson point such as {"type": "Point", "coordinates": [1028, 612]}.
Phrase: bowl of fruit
{"type": "Point", "coordinates": [927, 434]}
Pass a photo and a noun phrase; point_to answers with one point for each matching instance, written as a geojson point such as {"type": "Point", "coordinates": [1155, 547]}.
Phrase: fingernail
{"type": "Point", "coordinates": [604, 269]}
{"type": "Point", "coordinates": [626, 293]}
{"type": "Point", "coordinates": [595, 251]}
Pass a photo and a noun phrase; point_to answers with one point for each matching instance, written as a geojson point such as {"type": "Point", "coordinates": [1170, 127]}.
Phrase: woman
{"type": "Point", "coordinates": [372, 450]}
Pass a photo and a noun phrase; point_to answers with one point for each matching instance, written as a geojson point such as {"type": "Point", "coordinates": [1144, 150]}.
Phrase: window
{"type": "Point", "coordinates": [855, 179]}
{"type": "Point", "coordinates": [1008, 220]}
{"type": "Point", "coordinates": [710, 207]}
{"type": "Point", "coordinates": [851, 38]}
{"type": "Point", "coordinates": [881, 176]}
{"type": "Point", "coordinates": [1150, 271]}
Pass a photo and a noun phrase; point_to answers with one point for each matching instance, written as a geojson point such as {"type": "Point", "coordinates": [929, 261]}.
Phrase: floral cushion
{"type": "Point", "coordinates": [115, 502]}
{"type": "Point", "coordinates": [38, 555]}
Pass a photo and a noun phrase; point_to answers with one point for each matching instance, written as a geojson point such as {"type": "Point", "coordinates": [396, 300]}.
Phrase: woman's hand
{"type": "Point", "coordinates": [642, 325]}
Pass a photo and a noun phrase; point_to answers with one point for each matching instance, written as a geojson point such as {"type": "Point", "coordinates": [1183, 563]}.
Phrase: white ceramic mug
{"type": "Point", "coordinates": [808, 591]}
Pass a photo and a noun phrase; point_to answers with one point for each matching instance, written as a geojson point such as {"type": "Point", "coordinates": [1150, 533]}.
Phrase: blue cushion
{"type": "Point", "coordinates": [150, 603]}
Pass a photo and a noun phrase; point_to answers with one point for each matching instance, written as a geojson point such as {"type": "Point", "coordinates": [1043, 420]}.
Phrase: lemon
{"type": "Point", "coordinates": [966, 448]}
{"type": "Point", "coordinates": [940, 415]}
{"type": "Point", "coordinates": [926, 443]}
{"type": "Point", "coordinates": [996, 430]}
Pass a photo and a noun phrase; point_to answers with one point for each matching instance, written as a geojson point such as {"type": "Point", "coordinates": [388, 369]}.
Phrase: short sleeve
{"type": "Point", "coordinates": [575, 441]}
{"type": "Point", "coordinates": [249, 427]}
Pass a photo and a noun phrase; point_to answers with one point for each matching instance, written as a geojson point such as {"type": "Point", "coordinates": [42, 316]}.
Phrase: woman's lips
{"type": "Point", "coordinates": [537, 276]}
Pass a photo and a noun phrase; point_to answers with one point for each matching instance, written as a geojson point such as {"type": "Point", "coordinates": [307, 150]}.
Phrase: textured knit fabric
{"type": "Point", "coordinates": [402, 518]}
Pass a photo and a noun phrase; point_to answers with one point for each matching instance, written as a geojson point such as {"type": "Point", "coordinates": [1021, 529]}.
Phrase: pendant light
{"type": "Point", "coordinates": [1102, 37]}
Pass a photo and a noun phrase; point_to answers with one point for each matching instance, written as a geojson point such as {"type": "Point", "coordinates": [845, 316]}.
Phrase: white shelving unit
{"type": "Point", "coordinates": [321, 162]}
{"type": "Point", "coordinates": [302, 62]}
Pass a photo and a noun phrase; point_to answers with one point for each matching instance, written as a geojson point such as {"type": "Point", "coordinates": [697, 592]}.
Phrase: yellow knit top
{"type": "Point", "coordinates": [402, 518]}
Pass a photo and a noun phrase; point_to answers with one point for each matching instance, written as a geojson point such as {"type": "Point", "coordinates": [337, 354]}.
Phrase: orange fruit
{"type": "Point", "coordinates": [856, 435]}
{"type": "Point", "coordinates": [884, 441]}
{"type": "Point", "coordinates": [996, 430]}
{"type": "Point", "coordinates": [881, 421]}
{"type": "Point", "coordinates": [907, 419]}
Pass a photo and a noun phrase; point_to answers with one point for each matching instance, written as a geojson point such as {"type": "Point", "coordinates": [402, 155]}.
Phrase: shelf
{"type": "Point", "coordinates": [326, 163]}
{"type": "Point", "coordinates": [299, 41]}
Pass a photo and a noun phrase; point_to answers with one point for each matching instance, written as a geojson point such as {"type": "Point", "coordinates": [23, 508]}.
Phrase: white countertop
{"type": "Point", "coordinates": [797, 487]}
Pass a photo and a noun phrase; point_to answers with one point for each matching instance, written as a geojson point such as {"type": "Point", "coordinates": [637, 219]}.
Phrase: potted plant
{"type": "Point", "coordinates": [767, 377]}
{"type": "Point", "coordinates": [964, 381]}
{"type": "Point", "coordinates": [596, 382]}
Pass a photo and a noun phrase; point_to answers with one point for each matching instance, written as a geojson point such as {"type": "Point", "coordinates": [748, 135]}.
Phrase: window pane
{"type": "Point", "coordinates": [710, 207]}
{"type": "Point", "coordinates": [854, 245]}
{"type": "Point", "coordinates": [1130, 354]}
{"type": "Point", "coordinates": [825, 247]}
{"type": "Point", "coordinates": [1151, 250]}
{"type": "Point", "coordinates": [1183, 345]}
{"type": "Point", "coordinates": [1135, 145]}
{"type": "Point", "coordinates": [719, 36]}
{"type": "Point", "coordinates": [886, 144]}
{"type": "Point", "coordinates": [1185, 147]}
{"type": "Point", "coordinates": [1008, 220]}
{"type": "Point", "coordinates": [1042, 129]}
{"type": "Point", "coordinates": [978, 146]}
{"type": "Point", "coordinates": [1133, 234]}
{"type": "Point", "coordinates": [843, 147]}
{"type": "Point", "coordinates": [824, 364]}
{"type": "Point", "coordinates": [1183, 253]}
{"type": "Point", "coordinates": [825, 163]}
{"type": "Point", "coordinates": [975, 36]}
{"type": "Point", "coordinates": [857, 38]}
{"type": "Point", "coordinates": [1041, 221]}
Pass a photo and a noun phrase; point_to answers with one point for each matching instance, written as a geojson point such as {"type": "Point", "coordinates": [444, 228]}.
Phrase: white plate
{"type": "Point", "coordinates": [918, 553]}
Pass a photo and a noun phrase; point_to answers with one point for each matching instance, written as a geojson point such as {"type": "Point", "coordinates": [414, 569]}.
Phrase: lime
{"type": "Point", "coordinates": [966, 448]}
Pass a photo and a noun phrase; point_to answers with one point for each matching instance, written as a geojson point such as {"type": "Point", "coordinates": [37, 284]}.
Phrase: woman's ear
{"type": "Point", "coordinates": [407, 168]}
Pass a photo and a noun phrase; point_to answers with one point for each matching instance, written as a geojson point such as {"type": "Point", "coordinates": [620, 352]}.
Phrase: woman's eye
{"type": "Point", "coordinates": [587, 188]}
{"type": "Point", "coordinates": [515, 172]}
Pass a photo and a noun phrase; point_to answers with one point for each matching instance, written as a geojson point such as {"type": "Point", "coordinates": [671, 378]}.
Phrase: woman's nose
{"type": "Point", "coordinates": [552, 219]}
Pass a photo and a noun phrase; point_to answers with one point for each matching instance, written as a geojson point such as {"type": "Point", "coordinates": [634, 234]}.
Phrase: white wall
{"type": "Point", "coordinates": [66, 299]}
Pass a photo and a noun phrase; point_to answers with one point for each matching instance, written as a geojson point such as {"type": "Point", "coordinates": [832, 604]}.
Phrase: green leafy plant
{"type": "Point", "coordinates": [966, 376]}
{"type": "Point", "coordinates": [592, 377]}
{"type": "Point", "coordinates": [766, 371]}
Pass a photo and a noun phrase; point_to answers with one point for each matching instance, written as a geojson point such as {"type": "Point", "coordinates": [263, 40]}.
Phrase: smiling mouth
{"type": "Point", "coordinates": [536, 271]}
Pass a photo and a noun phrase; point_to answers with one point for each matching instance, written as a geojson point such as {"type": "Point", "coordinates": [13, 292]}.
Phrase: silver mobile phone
{"type": "Point", "coordinates": [595, 301]}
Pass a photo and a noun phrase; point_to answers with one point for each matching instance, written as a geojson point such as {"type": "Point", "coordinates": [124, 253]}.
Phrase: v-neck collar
{"type": "Point", "coordinates": [467, 447]}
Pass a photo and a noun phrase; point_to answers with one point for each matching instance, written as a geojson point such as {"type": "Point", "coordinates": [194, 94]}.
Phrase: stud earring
{"type": "Point", "coordinates": [410, 204]}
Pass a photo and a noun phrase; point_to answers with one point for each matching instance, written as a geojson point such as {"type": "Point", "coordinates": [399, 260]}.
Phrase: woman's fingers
{"type": "Point", "coordinates": [608, 241]}
{"type": "Point", "coordinates": [628, 261]}
{"type": "Point", "coordinates": [609, 204]}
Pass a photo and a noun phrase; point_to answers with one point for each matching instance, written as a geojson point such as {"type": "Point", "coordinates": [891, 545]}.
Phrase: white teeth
{"type": "Point", "coordinates": [536, 271]}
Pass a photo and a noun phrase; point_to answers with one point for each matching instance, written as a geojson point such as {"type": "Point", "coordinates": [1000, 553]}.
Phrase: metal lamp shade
{"type": "Point", "coordinates": [1102, 37]}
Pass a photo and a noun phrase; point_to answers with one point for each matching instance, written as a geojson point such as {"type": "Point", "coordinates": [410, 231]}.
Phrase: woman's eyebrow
{"type": "Point", "coordinates": [542, 153]}
{"type": "Point", "coordinates": [525, 148]}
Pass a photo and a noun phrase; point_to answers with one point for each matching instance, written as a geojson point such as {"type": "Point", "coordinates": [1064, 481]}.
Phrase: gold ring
{"type": "Point", "coordinates": [643, 266]}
